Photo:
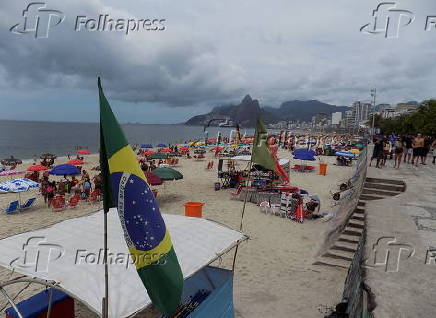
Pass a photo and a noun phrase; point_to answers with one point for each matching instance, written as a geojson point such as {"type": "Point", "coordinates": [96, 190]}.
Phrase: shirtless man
{"type": "Point", "coordinates": [418, 149]}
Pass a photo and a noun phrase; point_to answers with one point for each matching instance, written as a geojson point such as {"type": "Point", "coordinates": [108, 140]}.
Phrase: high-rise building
{"type": "Point", "coordinates": [336, 118]}
{"type": "Point", "coordinates": [361, 112]}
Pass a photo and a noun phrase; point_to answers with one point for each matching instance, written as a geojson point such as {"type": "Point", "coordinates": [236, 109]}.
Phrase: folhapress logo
{"type": "Point", "coordinates": [388, 20]}
{"type": "Point", "coordinates": [38, 20]}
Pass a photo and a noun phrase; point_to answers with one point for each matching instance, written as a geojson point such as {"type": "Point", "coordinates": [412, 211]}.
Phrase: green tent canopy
{"type": "Point", "coordinates": [168, 174]}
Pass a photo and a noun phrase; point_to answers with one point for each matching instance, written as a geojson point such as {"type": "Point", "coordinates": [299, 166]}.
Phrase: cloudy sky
{"type": "Point", "coordinates": [210, 53]}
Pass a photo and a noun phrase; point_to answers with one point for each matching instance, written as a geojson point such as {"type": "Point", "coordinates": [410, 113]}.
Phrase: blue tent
{"type": "Point", "coordinates": [65, 170]}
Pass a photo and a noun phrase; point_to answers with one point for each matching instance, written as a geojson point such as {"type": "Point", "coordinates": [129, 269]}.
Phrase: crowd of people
{"type": "Point", "coordinates": [413, 150]}
{"type": "Point", "coordinates": [73, 186]}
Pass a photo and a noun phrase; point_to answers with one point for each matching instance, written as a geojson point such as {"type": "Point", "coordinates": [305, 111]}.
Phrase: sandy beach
{"type": "Point", "coordinates": [274, 275]}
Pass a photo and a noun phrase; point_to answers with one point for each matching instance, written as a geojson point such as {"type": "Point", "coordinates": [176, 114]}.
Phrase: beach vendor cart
{"type": "Point", "coordinates": [65, 260]}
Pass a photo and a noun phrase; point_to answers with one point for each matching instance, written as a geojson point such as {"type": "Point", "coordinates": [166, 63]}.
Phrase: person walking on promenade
{"type": "Point", "coordinates": [418, 149]}
{"type": "Point", "coordinates": [398, 151]}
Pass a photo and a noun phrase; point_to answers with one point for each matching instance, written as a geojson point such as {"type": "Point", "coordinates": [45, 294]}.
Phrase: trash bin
{"type": "Point", "coordinates": [194, 209]}
{"type": "Point", "coordinates": [323, 169]}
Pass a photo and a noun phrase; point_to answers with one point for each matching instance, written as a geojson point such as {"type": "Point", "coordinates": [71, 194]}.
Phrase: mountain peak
{"type": "Point", "coordinates": [247, 99]}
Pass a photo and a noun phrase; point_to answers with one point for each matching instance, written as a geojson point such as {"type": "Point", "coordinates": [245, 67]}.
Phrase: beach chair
{"type": "Point", "coordinates": [12, 207]}
{"type": "Point", "coordinates": [74, 200]}
{"type": "Point", "coordinates": [264, 207]}
{"type": "Point", "coordinates": [28, 204]}
{"type": "Point", "coordinates": [95, 196]}
{"type": "Point", "coordinates": [58, 204]}
{"type": "Point", "coordinates": [237, 192]}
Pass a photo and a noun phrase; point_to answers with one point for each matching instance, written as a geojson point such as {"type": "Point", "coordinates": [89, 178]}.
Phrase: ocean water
{"type": "Point", "coordinates": [24, 139]}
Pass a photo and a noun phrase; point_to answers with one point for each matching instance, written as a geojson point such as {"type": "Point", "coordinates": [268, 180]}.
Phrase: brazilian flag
{"type": "Point", "coordinates": [147, 237]}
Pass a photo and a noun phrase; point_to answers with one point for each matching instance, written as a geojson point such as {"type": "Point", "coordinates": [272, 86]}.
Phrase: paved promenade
{"type": "Point", "coordinates": [401, 244]}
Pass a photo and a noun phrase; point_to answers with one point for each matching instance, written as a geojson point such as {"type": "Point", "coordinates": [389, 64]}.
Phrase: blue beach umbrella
{"type": "Point", "coordinates": [304, 152]}
{"type": "Point", "coordinates": [65, 170]}
{"type": "Point", "coordinates": [161, 146]}
{"type": "Point", "coordinates": [146, 146]}
{"type": "Point", "coordinates": [346, 154]}
{"type": "Point", "coordinates": [18, 185]}
{"type": "Point", "coordinates": [304, 156]}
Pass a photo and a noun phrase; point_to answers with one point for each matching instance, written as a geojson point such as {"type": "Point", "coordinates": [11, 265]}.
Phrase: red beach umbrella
{"type": "Point", "coordinates": [148, 153]}
{"type": "Point", "coordinates": [166, 150]}
{"type": "Point", "coordinates": [76, 162]}
{"type": "Point", "coordinates": [217, 148]}
{"type": "Point", "coordinates": [153, 179]}
{"type": "Point", "coordinates": [83, 152]}
{"type": "Point", "coordinates": [37, 168]}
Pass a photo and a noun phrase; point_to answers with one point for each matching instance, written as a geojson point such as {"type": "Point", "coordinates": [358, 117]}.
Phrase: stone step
{"type": "Point", "coordinates": [359, 211]}
{"type": "Point", "coordinates": [345, 246]}
{"type": "Point", "coordinates": [352, 231]}
{"type": "Point", "coordinates": [385, 181]}
{"type": "Point", "coordinates": [368, 197]}
{"type": "Point", "coordinates": [383, 187]}
{"type": "Point", "coordinates": [356, 224]}
{"type": "Point", "coordinates": [380, 192]}
{"type": "Point", "coordinates": [358, 217]}
{"type": "Point", "coordinates": [361, 203]}
{"type": "Point", "coordinates": [348, 238]}
{"type": "Point", "coordinates": [343, 255]}
{"type": "Point", "coordinates": [333, 262]}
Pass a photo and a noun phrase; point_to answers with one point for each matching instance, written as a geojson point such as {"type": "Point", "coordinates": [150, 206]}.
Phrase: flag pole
{"type": "Point", "coordinates": [245, 203]}
{"type": "Point", "coordinates": [243, 209]}
{"type": "Point", "coordinates": [106, 271]}
{"type": "Point", "coordinates": [104, 171]}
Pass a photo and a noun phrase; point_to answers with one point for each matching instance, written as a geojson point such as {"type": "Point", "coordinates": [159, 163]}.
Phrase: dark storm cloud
{"type": "Point", "coordinates": [216, 51]}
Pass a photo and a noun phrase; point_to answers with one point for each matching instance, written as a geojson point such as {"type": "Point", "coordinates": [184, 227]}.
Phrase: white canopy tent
{"type": "Point", "coordinates": [71, 254]}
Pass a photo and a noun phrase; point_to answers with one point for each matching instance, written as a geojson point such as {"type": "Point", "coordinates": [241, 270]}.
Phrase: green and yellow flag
{"type": "Point", "coordinates": [261, 154]}
{"type": "Point", "coordinates": [147, 237]}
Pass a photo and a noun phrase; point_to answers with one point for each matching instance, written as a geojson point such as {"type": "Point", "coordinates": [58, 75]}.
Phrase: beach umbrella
{"type": "Point", "coordinates": [146, 146]}
{"type": "Point", "coordinates": [159, 155]}
{"type": "Point", "coordinates": [168, 174]}
{"type": "Point", "coordinates": [65, 169]}
{"type": "Point", "coordinates": [219, 148]}
{"type": "Point", "coordinates": [153, 178]}
{"type": "Point", "coordinates": [48, 156]}
{"type": "Point", "coordinates": [304, 152]}
{"type": "Point", "coordinates": [10, 172]}
{"type": "Point", "coordinates": [37, 168]}
{"type": "Point", "coordinates": [184, 148]}
{"type": "Point", "coordinates": [304, 156]}
{"type": "Point", "coordinates": [18, 185]}
{"type": "Point", "coordinates": [161, 146]}
{"type": "Point", "coordinates": [148, 153]}
{"type": "Point", "coordinates": [166, 150]}
{"type": "Point", "coordinates": [11, 161]}
{"type": "Point", "coordinates": [355, 151]}
{"type": "Point", "coordinates": [345, 154]}
{"type": "Point", "coordinates": [76, 162]}
{"type": "Point", "coordinates": [83, 152]}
